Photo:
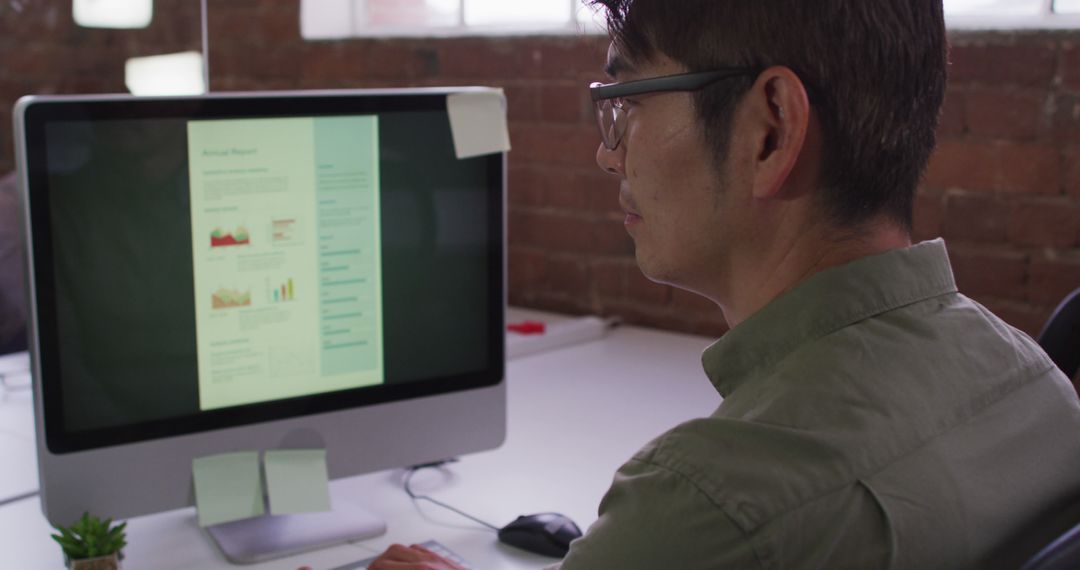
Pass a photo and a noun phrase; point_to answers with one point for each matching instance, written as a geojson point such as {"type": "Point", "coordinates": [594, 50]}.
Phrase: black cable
{"type": "Point", "coordinates": [408, 489]}
{"type": "Point", "coordinates": [16, 498]}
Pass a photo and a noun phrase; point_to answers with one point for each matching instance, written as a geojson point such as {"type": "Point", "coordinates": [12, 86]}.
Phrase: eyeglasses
{"type": "Point", "coordinates": [610, 115]}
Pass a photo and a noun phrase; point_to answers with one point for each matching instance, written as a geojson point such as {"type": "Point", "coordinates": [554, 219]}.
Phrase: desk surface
{"type": "Point", "coordinates": [575, 415]}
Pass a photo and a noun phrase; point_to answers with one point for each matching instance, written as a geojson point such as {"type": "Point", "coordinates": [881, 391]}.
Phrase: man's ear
{"type": "Point", "coordinates": [779, 114]}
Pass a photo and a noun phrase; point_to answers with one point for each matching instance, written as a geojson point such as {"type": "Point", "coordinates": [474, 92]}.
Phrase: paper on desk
{"type": "Point", "coordinates": [228, 487]}
{"type": "Point", "coordinates": [297, 481]}
{"type": "Point", "coordinates": [478, 122]}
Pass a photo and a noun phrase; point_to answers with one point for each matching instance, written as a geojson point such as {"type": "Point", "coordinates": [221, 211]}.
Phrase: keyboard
{"type": "Point", "coordinates": [432, 545]}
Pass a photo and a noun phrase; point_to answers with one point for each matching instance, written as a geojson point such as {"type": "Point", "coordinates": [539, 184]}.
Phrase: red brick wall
{"type": "Point", "coordinates": [1004, 185]}
{"type": "Point", "coordinates": [1003, 188]}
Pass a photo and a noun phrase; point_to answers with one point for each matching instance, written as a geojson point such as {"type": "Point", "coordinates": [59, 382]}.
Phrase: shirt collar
{"type": "Point", "coordinates": [824, 303]}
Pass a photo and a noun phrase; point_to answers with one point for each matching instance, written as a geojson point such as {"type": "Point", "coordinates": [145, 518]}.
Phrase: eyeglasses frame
{"type": "Point", "coordinates": [678, 82]}
{"type": "Point", "coordinates": [691, 81]}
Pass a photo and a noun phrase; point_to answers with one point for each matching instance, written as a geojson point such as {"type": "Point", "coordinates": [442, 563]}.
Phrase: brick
{"type": "Point", "coordinates": [565, 104]}
{"type": "Point", "coordinates": [573, 145]}
{"type": "Point", "coordinates": [640, 289]}
{"type": "Point", "coordinates": [110, 83]}
{"type": "Point", "coordinates": [1053, 277]}
{"type": "Point", "coordinates": [35, 21]}
{"type": "Point", "coordinates": [564, 234]}
{"type": "Point", "coordinates": [953, 120]}
{"type": "Point", "coordinates": [526, 270]}
{"type": "Point", "coordinates": [958, 164]}
{"type": "Point", "coordinates": [471, 58]}
{"type": "Point", "coordinates": [1051, 224]}
{"type": "Point", "coordinates": [929, 212]}
{"type": "Point", "coordinates": [266, 25]}
{"type": "Point", "coordinates": [37, 62]}
{"type": "Point", "coordinates": [1069, 66]}
{"type": "Point", "coordinates": [603, 192]}
{"type": "Point", "coordinates": [397, 60]}
{"type": "Point", "coordinates": [330, 64]}
{"type": "Point", "coordinates": [580, 190]}
{"type": "Point", "coordinates": [1072, 171]}
{"type": "Point", "coordinates": [558, 57]}
{"type": "Point", "coordinates": [1024, 316]}
{"type": "Point", "coordinates": [520, 228]}
{"type": "Point", "coordinates": [561, 189]}
{"type": "Point", "coordinates": [523, 187]}
{"type": "Point", "coordinates": [609, 278]}
{"type": "Point", "coordinates": [990, 273]}
{"type": "Point", "coordinates": [522, 103]}
{"type": "Point", "coordinates": [1066, 119]}
{"type": "Point", "coordinates": [568, 276]}
{"type": "Point", "coordinates": [1030, 168]}
{"type": "Point", "coordinates": [610, 238]}
{"type": "Point", "coordinates": [1028, 63]}
{"type": "Point", "coordinates": [556, 232]}
{"type": "Point", "coordinates": [995, 167]}
{"type": "Point", "coordinates": [975, 217]}
{"type": "Point", "coordinates": [1006, 113]}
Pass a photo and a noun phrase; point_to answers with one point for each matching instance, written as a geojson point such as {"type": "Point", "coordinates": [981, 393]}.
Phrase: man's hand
{"type": "Point", "coordinates": [415, 557]}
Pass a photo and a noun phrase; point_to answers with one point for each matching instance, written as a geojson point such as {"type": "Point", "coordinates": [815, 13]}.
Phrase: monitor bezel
{"type": "Point", "coordinates": [34, 113]}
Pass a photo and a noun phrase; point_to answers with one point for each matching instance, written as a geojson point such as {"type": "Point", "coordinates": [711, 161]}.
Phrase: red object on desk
{"type": "Point", "coordinates": [527, 327]}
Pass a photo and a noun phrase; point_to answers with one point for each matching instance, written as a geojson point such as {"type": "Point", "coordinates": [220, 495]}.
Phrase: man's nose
{"type": "Point", "coordinates": [611, 161]}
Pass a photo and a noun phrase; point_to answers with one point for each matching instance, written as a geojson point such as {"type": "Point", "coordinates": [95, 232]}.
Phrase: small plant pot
{"type": "Point", "coordinates": [110, 562]}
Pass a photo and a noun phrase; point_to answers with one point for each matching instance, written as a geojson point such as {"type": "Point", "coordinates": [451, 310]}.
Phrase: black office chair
{"type": "Point", "coordinates": [1062, 554]}
{"type": "Point", "coordinates": [1060, 338]}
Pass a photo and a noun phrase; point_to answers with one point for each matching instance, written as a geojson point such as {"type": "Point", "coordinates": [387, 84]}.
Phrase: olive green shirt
{"type": "Point", "coordinates": [873, 417]}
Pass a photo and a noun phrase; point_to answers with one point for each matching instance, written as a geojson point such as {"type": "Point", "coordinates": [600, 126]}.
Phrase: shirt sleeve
{"type": "Point", "coordinates": [655, 518]}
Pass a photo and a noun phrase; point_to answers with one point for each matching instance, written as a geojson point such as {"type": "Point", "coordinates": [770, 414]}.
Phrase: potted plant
{"type": "Point", "coordinates": [92, 544]}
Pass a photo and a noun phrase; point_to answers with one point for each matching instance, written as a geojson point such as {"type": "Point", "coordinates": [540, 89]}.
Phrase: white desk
{"type": "Point", "coordinates": [575, 415]}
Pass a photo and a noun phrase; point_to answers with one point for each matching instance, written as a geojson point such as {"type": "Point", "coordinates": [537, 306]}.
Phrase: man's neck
{"type": "Point", "coordinates": [788, 263]}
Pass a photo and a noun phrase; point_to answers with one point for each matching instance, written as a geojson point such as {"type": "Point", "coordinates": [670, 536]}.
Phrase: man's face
{"type": "Point", "coordinates": [676, 201]}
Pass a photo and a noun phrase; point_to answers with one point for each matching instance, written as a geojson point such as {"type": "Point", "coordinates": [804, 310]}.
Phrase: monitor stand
{"type": "Point", "coordinates": [273, 536]}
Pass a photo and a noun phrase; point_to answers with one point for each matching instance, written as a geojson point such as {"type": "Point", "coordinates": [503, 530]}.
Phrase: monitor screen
{"type": "Point", "coordinates": [210, 263]}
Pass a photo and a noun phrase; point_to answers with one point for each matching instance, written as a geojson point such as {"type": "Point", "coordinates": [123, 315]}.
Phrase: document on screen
{"type": "Point", "coordinates": [286, 256]}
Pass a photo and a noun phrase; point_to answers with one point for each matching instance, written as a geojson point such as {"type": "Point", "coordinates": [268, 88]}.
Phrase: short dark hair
{"type": "Point", "coordinates": [875, 70]}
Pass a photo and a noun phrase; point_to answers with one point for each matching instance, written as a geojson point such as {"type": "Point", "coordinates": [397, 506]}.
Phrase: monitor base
{"type": "Point", "coordinates": [273, 536]}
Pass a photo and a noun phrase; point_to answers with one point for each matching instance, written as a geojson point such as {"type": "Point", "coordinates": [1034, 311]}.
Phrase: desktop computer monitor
{"type": "Point", "coordinates": [254, 272]}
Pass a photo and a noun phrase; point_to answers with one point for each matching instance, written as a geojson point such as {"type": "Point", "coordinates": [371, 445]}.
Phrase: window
{"type": "Point", "coordinates": [1011, 14]}
{"type": "Point", "coordinates": [326, 19]}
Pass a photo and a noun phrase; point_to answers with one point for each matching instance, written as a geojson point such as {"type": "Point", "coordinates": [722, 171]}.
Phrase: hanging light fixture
{"type": "Point", "coordinates": [113, 13]}
{"type": "Point", "coordinates": [171, 74]}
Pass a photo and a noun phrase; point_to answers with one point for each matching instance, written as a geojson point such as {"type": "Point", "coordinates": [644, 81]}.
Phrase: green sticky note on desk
{"type": "Point", "coordinates": [297, 481]}
{"type": "Point", "coordinates": [228, 487]}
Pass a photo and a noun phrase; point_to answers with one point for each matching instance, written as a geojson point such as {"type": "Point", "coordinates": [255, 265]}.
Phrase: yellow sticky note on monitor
{"type": "Point", "coordinates": [297, 481]}
{"type": "Point", "coordinates": [478, 122]}
{"type": "Point", "coordinates": [228, 487]}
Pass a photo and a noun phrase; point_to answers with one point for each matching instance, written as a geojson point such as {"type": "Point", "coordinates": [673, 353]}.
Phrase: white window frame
{"type": "Point", "coordinates": [1046, 19]}
{"type": "Point", "coordinates": [573, 26]}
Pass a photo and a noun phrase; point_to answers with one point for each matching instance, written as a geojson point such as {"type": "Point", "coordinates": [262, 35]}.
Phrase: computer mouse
{"type": "Point", "coordinates": [548, 534]}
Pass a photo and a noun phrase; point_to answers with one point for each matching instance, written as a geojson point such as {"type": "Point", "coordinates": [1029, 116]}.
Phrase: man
{"type": "Point", "coordinates": [769, 151]}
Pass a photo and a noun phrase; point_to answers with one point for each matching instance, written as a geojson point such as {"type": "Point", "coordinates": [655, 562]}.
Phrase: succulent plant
{"type": "Point", "coordinates": [91, 537]}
